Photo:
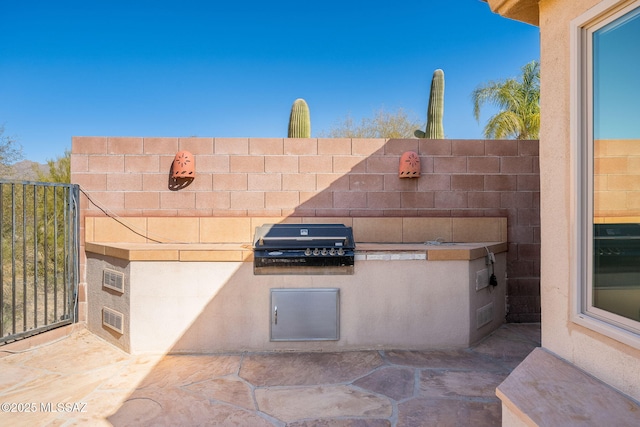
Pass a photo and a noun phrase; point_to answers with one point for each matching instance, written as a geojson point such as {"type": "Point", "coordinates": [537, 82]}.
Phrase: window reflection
{"type": "Point", "coordinates": [616, 164]}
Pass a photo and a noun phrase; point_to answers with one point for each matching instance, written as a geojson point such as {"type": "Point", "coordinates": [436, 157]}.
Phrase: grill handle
{"type": "Point", "coordinates": [275, 315]}
{"type": "Point", "coordinates": [305, 238]}
{"type": "Point", "coordinates": [262, 240]}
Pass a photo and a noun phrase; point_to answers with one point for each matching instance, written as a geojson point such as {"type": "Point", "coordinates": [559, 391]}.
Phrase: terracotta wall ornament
{"type": "Point", "coordinates": [184, 165]}
{"type": "Point", "coordinates": [409, 165]}
{"type": "Point", "coordinates": [183, 170]}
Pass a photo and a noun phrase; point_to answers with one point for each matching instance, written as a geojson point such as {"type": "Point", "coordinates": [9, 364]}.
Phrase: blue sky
{"type": "Point", "coordinates": [233, 69]}
{"type": "Point", "coordinates": [616, 89]}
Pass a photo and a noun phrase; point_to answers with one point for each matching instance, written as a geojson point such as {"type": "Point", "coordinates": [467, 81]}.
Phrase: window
{"type": "Point", "coordinates": [606, 124]}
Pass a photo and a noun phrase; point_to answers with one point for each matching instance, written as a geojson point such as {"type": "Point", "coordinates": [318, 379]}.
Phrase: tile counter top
{"type": "Point", "coordinates": [242, 252]}
{"type": "Point", "coordinates": [173, 251]}
{"type": "Point", "coordinates": [433, 252]}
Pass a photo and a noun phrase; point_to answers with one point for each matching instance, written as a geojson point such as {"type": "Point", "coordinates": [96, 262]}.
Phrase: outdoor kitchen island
{"type": "Point", "coordinates": [205, 298]}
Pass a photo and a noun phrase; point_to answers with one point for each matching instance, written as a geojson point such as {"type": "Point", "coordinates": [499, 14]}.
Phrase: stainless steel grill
{"type": "Point", "coordinates": [303, 249]}
{"type": "Point", "coordinates": [617, 248]}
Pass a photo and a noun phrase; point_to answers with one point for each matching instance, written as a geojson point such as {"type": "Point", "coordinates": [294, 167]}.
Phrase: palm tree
{"type": "Point", "coordinates": [519, 104]}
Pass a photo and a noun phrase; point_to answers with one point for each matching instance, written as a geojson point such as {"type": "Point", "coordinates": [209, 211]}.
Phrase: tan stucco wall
{"type": "Point", "coordinates": [617, 180]}
{"type": "Point", "coordinates": [609, 360]}
{"type": "Point", "coordinates": [213, 307]}
{"type": "Point", "coordinates": [524, 11]}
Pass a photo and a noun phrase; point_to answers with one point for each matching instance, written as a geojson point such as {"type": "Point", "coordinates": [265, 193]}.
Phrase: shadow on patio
{"type": "Point", "coordinates": [81, 379]}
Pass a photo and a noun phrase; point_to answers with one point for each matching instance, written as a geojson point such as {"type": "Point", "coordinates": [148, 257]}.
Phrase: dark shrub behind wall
{"type": "Point", "coordinates": [329, 177]}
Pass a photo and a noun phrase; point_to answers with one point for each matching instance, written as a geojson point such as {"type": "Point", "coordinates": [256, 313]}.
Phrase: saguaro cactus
{"type": "Point", "coordinates": [435, 111]}
{"type": "Point", "coordinates": [299, 120]}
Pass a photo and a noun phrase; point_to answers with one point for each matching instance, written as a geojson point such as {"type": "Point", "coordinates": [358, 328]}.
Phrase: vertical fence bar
{"type": "Point", "coordinates": [45, 258]}
{"type": "Point", "coordinates": [1, 260]}
{"type": "Point", "coordinates": [75, 248]}
{"type": "Point", "coordinates": [65, 270]}
{"type": "Point", "coordinates": [69, 251]}
{"type": "Point", "coordinates": [35, 256]}
{"type": "Point", "coordinates": [13, 258]}
{"type": "Point", "coordinates": [55, 253]}
{"type": "Point", "coordinates": [24, 257]}
{"type": "Point", "coordinates": [68, 248]}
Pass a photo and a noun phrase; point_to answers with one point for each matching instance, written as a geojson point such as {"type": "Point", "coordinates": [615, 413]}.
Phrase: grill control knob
{"type": "Point", "coordinates": [324, 251]}
{"type": "Point", "coordinates": [307, 252]}
{"type": "Point", "coordinates": [332, 251]}
{"type": "Point", "coordinates": [316, 251]}
{"type": "Point", "coordinates": [340, 251]}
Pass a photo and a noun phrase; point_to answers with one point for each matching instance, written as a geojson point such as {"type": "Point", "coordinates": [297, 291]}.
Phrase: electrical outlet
{"type": "Point", "coordinates": [490, 258]}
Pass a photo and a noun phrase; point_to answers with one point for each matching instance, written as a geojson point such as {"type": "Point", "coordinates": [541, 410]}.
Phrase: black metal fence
{"type": "Point", "coordinates": [39, 257]}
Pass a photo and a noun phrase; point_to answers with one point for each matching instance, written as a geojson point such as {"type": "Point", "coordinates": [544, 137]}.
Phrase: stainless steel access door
{"type": "Point", "coordinates": [305, 314]}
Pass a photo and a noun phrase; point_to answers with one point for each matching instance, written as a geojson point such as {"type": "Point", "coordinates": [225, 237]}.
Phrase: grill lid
{"type": "Point", "coordinates": [303, 249]}
{"type": "Point", "coordinates": [296, 236]}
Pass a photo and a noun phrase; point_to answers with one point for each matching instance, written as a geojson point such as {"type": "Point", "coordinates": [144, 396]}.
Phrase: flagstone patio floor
{"type": "Point", "coordinates": [81, 380]}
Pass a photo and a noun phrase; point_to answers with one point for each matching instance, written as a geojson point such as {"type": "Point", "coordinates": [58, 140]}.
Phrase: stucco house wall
{"type": "Point", "coordinates": [611, 361]}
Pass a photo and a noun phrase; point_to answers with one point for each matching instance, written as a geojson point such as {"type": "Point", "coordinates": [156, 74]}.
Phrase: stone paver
{"type": "Point", "coordinates": [452, 383]}
{"type": "Point", "coordinates": [393, 382]}
{"type": "Point", "coordinates": [448, 413]}
{"type": "Point", "coordinates": [347, 389]}
{"type": "Point", "coordinates": [228, 390]}
{"type": "Point", "coordinates": [443, 359]}
{"type": "Point", "coordinates": [292, 404]}
{"type": "Point", "coordinates": [308, 368]}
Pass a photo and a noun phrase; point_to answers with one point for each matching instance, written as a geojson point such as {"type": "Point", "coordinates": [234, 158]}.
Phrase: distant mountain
{"type": "Point", "coordinates": [23, 171]}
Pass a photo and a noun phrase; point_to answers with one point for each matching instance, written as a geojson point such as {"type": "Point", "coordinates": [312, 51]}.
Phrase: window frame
{"type": "Point", "coordinates": [581, 118]}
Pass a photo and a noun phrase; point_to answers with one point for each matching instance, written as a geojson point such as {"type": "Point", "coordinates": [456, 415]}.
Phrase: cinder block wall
{"type": "Point", "coordinates": [617, 180]}
{"type": "Point", "coordinates": [248, 177]}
